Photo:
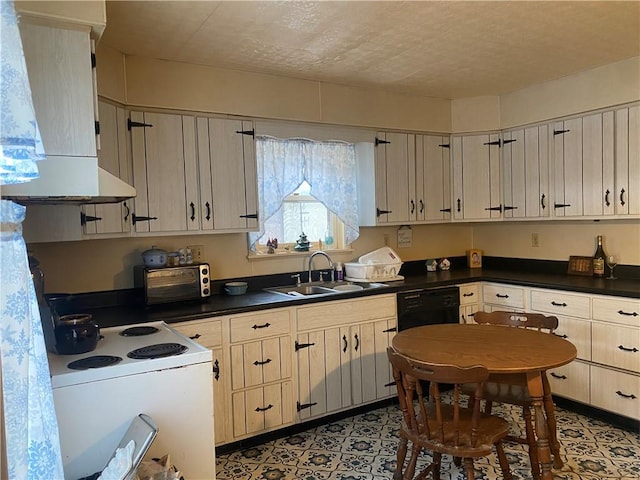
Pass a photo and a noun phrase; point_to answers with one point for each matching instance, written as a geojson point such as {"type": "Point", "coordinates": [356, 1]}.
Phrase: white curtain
{"type": "Point", "coordinates": [32, 441]}
{"type": "Point", "coordinates": [329, 167]}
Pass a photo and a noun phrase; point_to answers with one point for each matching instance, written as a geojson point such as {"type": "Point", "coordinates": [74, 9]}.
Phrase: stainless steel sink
{"type": "Point", "coordinates": [317, 289]}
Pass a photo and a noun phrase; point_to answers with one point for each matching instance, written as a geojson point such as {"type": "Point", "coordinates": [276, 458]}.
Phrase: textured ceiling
{"type": "Point", "coordinates": [443, 49]}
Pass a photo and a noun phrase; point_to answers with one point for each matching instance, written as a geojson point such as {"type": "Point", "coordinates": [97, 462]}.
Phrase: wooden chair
{"type": "Point", "coordinates": [452, 429]}
{"type": "Point", "coordinates": [512, 389]}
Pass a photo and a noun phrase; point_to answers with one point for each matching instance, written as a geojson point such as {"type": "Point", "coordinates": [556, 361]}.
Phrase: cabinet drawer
{"type": "Point", "coordinates": [616, 346]}
{"type": "Point", "coordinates": [560, 303]}
{"type": "Point", "coordinates": [207, 333]}
{"type": "Point", "coordinates": [262, 408]}
{"type": "Point", "coordinates": [503, 295]}
{"type": "Point", "coordinates": [570, 381]}
{"type": "Point", "coordinates": [467, 313]}
{"type": "Point", "coordinates": [625, 311]}
{"type": "Point", "coordinates": [346, 311]}
{"type": "Point", "coordinates": [260, 362]}
{"type": "Point", "coordinates": [469, 294]}
{"type": "Point", "coordinates": [577, 332]}
{"type": "Point", "coordinates": [615, 391]}
{"type": "Point", "coordinates": [259, 325]}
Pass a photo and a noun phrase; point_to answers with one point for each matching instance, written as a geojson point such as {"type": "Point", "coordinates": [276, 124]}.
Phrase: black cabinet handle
{"type": "Point", "coordinates": [625, 349]}
{"type": "Point", "coordinates": [622, 197]}
{"type": "Point", "coordinates": [561, 336]}
{"type": "Point", "coordinates": [392, 329]}
{"type": "Point", "coordinates": [263, 362]}
{"type": "Point", "coordinates": [498, 209]}
{"type": "Point", "coordinates": [299, 346]}
{"type": "Point", "coordinates": [561, 205]}
{"type": "Point", "coordinates": [606, 198]}
{"type": "Point", "coordinates": [216, 370]}
{"type": "Point", "coordinates": [413, 206]}
{"type": "Point", "coordinates": [421, 206]}
{"type": "Point", "coordinates": [208, 207]}
{"type": "Point", "coordinates": [195, 337]}
{"type": "Point", "coordinates": [84, 218]}
{"type": "Point", "coordinates": [250, 215]}
{"type": "Point", "coordinates": [357, 342]}
{"type": "Point", "coordinates": [302, 406]}
{"type": "Point", "coordinates": [126, 215]}
{"type": "Point", "coordinates": [382, 212]}
{"type": "Point", "coordinates": [193, 211]}
{"type": "Point", "coordinates": [446, 210]}
{"type": "Point", "coordinates": [624, 395]}
{"type": "Point", "coordinates": [458, 202]}
{"type": "Point", "coordinates": [265, 325]}
{"type": "Point", "coordinates": [632, 314]}
{"type": "Point", "coordinates": [381, 142]}
{"type": "Point", "coordinates": [509, 207]}
{"type": "Point", "coordinates": [501, 296]}
{"type": "Point", "coordinates": [471, 294]}
{"type": "Point", "coordinates": [559, 377]}
{"type": "Point", "coordinates": [345, 345]}
{"type": "Point", "coordinates": [556, 304]}
{"type": "Point", "coordinates": [390, 384]}
{"type": "Point", "coordinates": [264, 409]}
{"type": "Point", "coordinates": [136, 218]}
{"type": "Point", "coordinates": [542, 197]}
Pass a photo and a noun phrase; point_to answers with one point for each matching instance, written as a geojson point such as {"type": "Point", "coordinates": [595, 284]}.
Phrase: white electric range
{"type": "Point", "coordinates": [148, 368]}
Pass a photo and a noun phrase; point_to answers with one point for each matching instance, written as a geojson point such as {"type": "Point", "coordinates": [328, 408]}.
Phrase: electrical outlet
{"type": "Point", "coordinates": [535, 240]}
{"type": "Point", "coordinates": [197, 252]}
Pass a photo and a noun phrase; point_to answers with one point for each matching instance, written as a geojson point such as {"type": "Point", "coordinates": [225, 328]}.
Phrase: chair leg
{"type": "Point", "coordinates": [468, 468]}
{"type": "Point", "coordinates": [504, 463]}
{"type": "Point", "coordinates": [411, 467]}
{"type": "Point", "coordinates": [531, 443]}
{"type": "Point", "coordinates": [437, 463]}
{"type": "Point", "coordinates": [488, 405]}
{"type": "Point", "coordinates": [402, 453]}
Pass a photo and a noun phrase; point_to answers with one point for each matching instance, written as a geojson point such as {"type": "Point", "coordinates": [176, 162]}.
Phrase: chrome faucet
{"type": "Point", "coordinates": [324, 254]}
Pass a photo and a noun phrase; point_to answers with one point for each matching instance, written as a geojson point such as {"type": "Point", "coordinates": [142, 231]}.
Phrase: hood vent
{"type": "Point", "coordinates": [70, 180]}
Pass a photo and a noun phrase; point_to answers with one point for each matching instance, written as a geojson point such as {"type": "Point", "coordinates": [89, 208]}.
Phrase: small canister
{"type": "Point", "coordinates": [339, 272]}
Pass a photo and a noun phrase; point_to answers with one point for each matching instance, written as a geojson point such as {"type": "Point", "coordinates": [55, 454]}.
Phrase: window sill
{"type": "Point", "coordinates": [289, 254]}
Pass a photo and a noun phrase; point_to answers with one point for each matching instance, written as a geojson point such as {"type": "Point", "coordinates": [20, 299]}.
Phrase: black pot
{"type": "Point", "coordinates": [76, 334]}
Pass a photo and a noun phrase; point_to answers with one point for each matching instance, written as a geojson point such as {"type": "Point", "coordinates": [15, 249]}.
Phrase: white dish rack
{"type": "Point", "coordinates": [379, 265]}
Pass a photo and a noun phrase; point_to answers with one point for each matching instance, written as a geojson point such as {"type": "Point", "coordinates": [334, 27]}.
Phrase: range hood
{"type": "Point", "coordinates": [69, 180]}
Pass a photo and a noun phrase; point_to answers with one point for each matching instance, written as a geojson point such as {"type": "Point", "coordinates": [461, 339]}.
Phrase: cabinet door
{"type": "Point", "coordinates": [567, 167]}
{"type": "Point", "coordinates": [262, 408]}
{"type": "Point", "coordinates": [571, 381]}
{"type": "Point", "coordinates": [476, 177]}
{"type": "Point", "coordinates": [525, 169]}
{"type": "Point", "coordinates": [59, 61]}
{"type": "Point", "coordinates": [597, 164]}
{"type": "Point", "coordinates": [627, 161]}
{"type": "Point", "coordinates": [163, 154]}
{"type": "Point", "coordinates": [228, 175]}
{"type": "Point", "coordinates": [260, 362]}
{"type": "Point", "coordinates": [395, 177]}
{"type": "Point", "coordinates": [114, 158]}
{"type": "Point", "coordinates": [433, 178]}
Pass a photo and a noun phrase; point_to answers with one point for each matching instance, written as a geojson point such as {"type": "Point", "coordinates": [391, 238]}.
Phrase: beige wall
{"type": "Point", "coordinates": [98, 265]}
{"type": "Point", "coordinates": [559, 239]}
{"type": "Point", "coordinates": [475, 114]}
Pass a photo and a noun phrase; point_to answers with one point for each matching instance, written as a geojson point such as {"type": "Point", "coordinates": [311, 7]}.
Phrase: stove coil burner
{"type": "Point", "coordinates": [96, 361]}
{"type": "Point", "coordinates": [138, 331]}
{"type": "Point", "coordinates": [158, 350]}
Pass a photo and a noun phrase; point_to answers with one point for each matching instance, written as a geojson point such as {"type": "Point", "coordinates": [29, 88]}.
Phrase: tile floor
{"type": "Point", "coordinates": [363, 447]}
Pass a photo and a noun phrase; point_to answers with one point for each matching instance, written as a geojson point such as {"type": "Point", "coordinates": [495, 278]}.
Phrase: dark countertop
{"type": "Point", "coordinates": [123, 313]}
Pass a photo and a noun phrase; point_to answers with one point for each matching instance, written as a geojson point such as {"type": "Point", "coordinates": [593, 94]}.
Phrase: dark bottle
{"type": "Point", "coordinates": [599, 259]}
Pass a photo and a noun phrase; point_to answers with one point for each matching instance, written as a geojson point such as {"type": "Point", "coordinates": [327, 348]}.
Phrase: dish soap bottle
{"type": "Point", "coordinates": [598, 259]}
{"type": "Point", "coordinates": [339, 272]}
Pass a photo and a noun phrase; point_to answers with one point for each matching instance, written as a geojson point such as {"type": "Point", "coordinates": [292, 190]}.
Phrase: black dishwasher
{"type": "Point", "coordinates": [428, 306]}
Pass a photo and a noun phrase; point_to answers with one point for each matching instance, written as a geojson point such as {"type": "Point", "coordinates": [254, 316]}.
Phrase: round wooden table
{"type": "Point", "coordinates": [502, 350]}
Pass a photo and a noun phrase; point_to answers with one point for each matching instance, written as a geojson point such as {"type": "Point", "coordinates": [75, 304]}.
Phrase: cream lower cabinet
{"type": "Point", "coordinates": [469, 301]}
{"type": "Point", "coordinates": [500, 297]}
{"type": "Point", "coordinates": [261, 372]}
{"type": "Point", "coordinates": [208, 333]}
{"type": "Point", "coordinates": [341, 354]}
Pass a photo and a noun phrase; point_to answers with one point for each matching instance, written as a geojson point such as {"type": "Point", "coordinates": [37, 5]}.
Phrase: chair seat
{"type": "Point", "coordinates": [490, 429]}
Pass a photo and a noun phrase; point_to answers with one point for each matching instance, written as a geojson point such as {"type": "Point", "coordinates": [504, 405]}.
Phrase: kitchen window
{"type": "Point", "coordinates": [306, 191]}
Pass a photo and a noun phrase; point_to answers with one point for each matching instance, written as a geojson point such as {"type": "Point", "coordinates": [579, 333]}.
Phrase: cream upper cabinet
{"type": "Point", "coordinates": [525, 173]}
{"type": "Point", "coordinates": [476, 177]}
{"type": "Point", "coordinates": [433, 178]}
{"type": "Point", "coordinates": [582, 157]}
{"type": "Point", "coordinates": [228, 175]}
{"type": "Point", "coordinates": [61, 79]}
{"type": "Point", "coordinates": [395, 160]}
{"type": "Point", "coordinates": [627, 161]}
{"type": "Point", "coordinates": [113, 156]}
{"type": "Point", "coordinates": [164, 172]}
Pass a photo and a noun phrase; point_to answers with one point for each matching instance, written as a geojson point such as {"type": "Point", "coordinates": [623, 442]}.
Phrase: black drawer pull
{"type": "Point", "coordinates": [625, 349]}
{"type": "Point", "coordinates": [559, 377]}
{"type": "Point", "coordinates": [255, 327]}
{"type": "Point", "coordinates": [302, 406]}
{"type": "Point", "coordinates": [263, 362]}
{"type": "Point", "coordinates": [264, 409]}
{"type": "Point", "coordinates": [392, 329]}
{"type": "Point", "coordinates": [561, 336]}
{"type": "Point", "coordinates": [390, 384]}
{"type": "Point", "coordinates": [468, 294]}
{"type": "Point", "coordinates": [624, 395]}
{"type": "Point", "coordinates": [195, 337]}
{"type": "Point", "coordinates": [501, 296]}
{"type": "Point", "coordinates": [216, 370]}
{"type": "Point", "coordinates": [556, 304]}
{"type": "Point", "coordinates": [632, 314]}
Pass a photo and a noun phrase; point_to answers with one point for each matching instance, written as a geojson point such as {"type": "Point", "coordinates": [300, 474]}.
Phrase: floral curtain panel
{"type": "Point", "coordinates": [31, 429]}
{"type": "Point", "coordinates": [329, 167]}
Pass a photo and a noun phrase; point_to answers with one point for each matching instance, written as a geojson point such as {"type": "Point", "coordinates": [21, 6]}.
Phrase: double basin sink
{"type": "Point", "coordinates": [316, 289]}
